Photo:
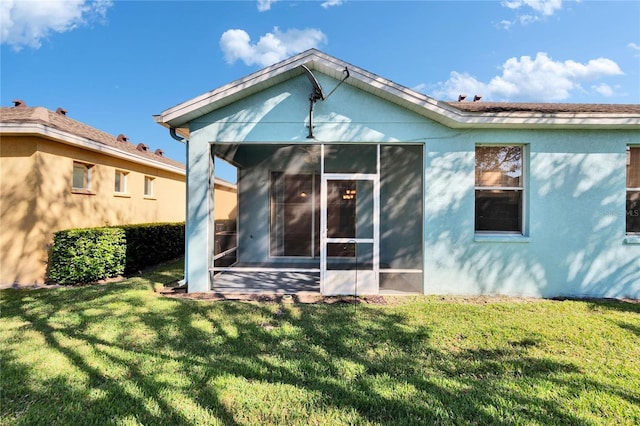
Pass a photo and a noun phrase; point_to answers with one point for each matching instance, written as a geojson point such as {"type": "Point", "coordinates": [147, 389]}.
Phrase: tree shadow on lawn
{"type": "Point", "coordinates": [185, 362]}
{"type": "Point", "coordinates": [618, 305]}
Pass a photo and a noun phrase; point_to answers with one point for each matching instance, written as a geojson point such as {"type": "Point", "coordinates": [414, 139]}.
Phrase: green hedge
{"type": "Point", "coordinates": [150, 244]}
{"type": "Point", "coordinates": [92, 254]}
{"type": "Point", "coordinates": [86, 255]}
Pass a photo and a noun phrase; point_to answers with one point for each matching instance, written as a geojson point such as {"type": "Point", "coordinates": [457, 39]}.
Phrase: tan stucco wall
{"type": "Point", "coordinates": [225, 203]}
{"type": "Point", "coordinates": [36, 200]}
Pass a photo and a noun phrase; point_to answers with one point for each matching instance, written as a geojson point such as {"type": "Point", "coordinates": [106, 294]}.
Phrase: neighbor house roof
{"type": "Point", "coordinates": [493, 107]}
{"type": "Point", "coordinates": [452, 114]}
{"type": "Point", "coordinates": [56, 125]}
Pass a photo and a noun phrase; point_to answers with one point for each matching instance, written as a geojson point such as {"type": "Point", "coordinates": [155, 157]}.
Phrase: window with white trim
{"type": "Point", "coordinates": [148, 186]}
{"type": "Point", "coordinates": [633, 190]}
{"type": "Point", "coordinates": [120, 182]}
{"type": "Point", "coordinates": [499, 189]}
{"type": "Point", "coordinates": [81, 176]}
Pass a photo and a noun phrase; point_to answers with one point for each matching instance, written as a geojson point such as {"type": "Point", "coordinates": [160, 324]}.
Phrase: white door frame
{"type": "Point", "coordinates": [372, 287]}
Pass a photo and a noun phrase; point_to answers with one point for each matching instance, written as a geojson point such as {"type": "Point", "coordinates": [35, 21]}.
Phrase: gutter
{"type": "Point", "coordinates": [174, 135]}
{"type": "Point", "coordinates": [184, 282]}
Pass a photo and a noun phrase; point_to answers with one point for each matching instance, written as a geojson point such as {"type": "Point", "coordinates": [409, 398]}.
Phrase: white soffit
{"type": "Point", "coordinates": [419, 103]}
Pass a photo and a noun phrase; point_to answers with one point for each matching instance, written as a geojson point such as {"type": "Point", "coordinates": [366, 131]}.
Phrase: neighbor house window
{"type": "Point", "coordinates": [295, 218]}
{"type": "Point", "coordinates": [120, 184]}
{"type": "Point", "coordinates": [81, 176]}
{"type": "Point", "coordinates": [499, 189]}
{"type": "Point", "coordinates": [633, 190]}
{"type": "Point", "coordinates": [148, 186]}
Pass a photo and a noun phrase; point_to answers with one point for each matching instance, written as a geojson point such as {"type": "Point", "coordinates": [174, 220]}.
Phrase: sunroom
{"type": "Point", "coordinates": [338, 218]}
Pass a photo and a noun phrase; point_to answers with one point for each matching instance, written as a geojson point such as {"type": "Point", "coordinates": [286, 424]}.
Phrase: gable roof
{"type": "Point", "coordinates": [49, 124]}
{"type": "Point", "coordinates": [451, 114]}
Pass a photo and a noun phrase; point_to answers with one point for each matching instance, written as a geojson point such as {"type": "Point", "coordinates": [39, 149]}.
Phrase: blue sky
{"type": "Point", "coordinates": [113, 64]}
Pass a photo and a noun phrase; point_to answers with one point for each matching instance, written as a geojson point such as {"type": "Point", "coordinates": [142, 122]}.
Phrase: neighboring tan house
{"type": "Point", "coordinates": [57, 173]}
{"type": "Point", "coordinates": [370, 187]}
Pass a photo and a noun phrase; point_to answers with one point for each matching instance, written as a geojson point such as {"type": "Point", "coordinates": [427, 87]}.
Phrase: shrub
{"type": "Point", "coordinates": [150, 244]}
{"type": "Point", "coordinates": [87, 255]}
{"type": "Point", "coordinates": [92, 254]}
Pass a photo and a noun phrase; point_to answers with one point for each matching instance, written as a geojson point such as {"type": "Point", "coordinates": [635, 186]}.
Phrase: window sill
{"type": "Point", "coordinates": [149, 197]}
{"type": "Point", "coordinates": [82, 191]}
{"type": "Point", "coordinates": [632, 239]}
{"type": "Point", "coordinates": [500, 238]}
{"type": "Point", "coordinates": [121, 195]}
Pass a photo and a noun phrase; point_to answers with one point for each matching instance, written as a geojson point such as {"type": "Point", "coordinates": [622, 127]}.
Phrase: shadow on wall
{"type": "Point", "coordinates": [576, 219]}
{"type": "Point", "coordinates": [41, 204]}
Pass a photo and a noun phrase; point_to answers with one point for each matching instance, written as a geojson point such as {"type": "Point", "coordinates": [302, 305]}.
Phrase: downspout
{"type": "Point", "coordinates": [172, 131]}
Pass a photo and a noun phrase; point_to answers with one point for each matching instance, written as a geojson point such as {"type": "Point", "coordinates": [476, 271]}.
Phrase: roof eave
{"type": "Point", "coordinates": [11, 128]}
{"type": "Point", "coordinates": [439, 111]}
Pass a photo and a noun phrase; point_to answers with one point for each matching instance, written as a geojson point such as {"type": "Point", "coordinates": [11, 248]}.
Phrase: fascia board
{"type": "Point", "coordinates": [225, 184]}
{"type": "Point", "coordinates": [78, 141]}
{"type": "Point", "coordinates": [449, 116]}
{"type": "Point", "coordinates": [548, 121]}
{"type": "Point", "coordinates": [419, 103]}
{"type": "Point", "coordinates": [183, 113]}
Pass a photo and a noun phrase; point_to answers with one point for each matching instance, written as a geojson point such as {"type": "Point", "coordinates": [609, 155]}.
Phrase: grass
{"type": "Point", "coordinates": [122, 354]}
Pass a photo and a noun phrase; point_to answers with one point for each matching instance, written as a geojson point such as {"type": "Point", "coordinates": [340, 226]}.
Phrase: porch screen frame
{"type": "Point", "coordinates": [324, 239]}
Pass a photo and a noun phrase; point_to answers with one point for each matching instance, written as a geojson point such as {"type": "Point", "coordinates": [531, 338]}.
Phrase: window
{"type": "Point", "coordinates": [81, 176]}
{"type": "Point", "coordinates": [120, 185]}
{"type": "Point", "coordinates": [295, 218]}
{"type": "Point", "coordinates": [633, 190]}
{"type": "Point", "coordinates": [499, 189]}
{"type": "Point", "coordinates": [148, 186]}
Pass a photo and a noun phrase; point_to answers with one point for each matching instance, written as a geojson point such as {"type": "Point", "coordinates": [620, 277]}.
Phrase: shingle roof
{"type": "Point", "coordinates": [43, 116]}
{"type": "Point", "coordinates": [493, 107]}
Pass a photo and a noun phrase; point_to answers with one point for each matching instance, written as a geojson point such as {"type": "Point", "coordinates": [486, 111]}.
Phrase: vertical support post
{"type": "Point", "coordinates": [323, 222]}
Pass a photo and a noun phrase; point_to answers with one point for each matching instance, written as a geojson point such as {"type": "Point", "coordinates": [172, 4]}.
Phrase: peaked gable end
{"type": "Point", "coordinates": [450, 114]}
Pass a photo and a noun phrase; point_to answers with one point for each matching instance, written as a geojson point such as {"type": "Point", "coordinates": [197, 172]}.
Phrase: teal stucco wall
{"type": "Point", "coordinates": [574, 242]}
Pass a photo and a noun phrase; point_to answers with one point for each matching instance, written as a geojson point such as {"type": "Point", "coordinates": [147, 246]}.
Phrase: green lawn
{"type": "Point", "coordinates": [123, 354]}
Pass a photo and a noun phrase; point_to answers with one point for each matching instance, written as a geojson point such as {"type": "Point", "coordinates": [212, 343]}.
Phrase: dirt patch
{"type": "Point", "coordinates": [486, 300]}
{"type": "Point", "coordinates": [317, 298]}
{"type": "Point", "coordinates": [38, 286]}
{"type": "Point", "coordinates": [301, 298]}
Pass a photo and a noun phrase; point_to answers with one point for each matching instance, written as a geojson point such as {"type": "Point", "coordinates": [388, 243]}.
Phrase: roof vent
{"type": "Point", "coordinates": [123, 138]}
{"type": "Point", "coordinates": [462, 97]}
{"type": "Point", "coordinates": [61, 111]}
{"type": "Point", "coordinates": [159, 152]}
{"type": "Point", "coordinates": [477, 98]}
{"type": "Point", "coordinates": [19, 103]}
{"type": "Point", "coordinates": [142, 147]}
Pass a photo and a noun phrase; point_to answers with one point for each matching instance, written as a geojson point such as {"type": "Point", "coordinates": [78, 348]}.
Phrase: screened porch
{"type": "Point", "coordinates": [328, 218]}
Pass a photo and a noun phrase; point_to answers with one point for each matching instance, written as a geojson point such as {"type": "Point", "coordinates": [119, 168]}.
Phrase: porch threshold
{"type": "Point", "coordinates": [254, 280]}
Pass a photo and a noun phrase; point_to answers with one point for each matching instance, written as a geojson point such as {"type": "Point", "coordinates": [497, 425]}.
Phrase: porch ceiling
{"type": "Point", "coordinates": [248, 155]}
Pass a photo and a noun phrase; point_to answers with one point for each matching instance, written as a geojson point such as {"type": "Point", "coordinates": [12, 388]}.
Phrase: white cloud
{"type": "Point", "coordinates": [534, 10]}
{"type": "Point", "coordinates": [634, 46]}
{"type": "Point", "coordinates": [327, 4]}
{"type": "Point", "coordinates": [544, 7]}
{"type": "Point", "coordinates": [264, 5]}
{"type": "Point", "coordinates": [271, 47]}
{"type": "Point", "coordinates": [538, 79]}
{"type": "Point", "coordinates": [420, 87]}
{"type": "Point", "coordinates": [603, 89]}
{"type": "Point", "coordinates": [528, 19]}
{"type": "Point", "coordinates": [505, 24]}
{"type": "Point", "coordinates": [27, 23]}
